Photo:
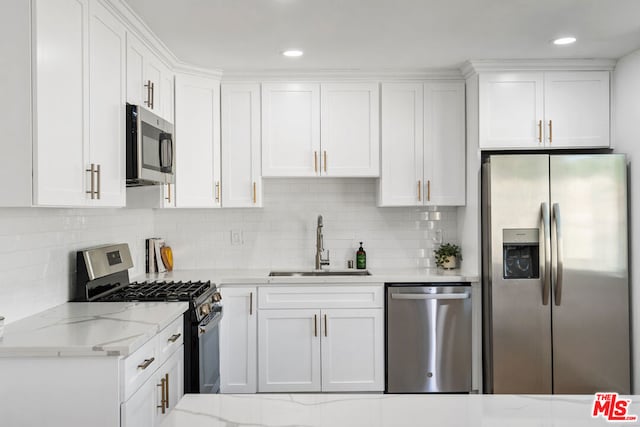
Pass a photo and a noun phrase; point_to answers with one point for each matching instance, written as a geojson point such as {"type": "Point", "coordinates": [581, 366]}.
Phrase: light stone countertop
{"type": "Point", "coordinates": [225, 277]}
{"type": "Point", "coordinates": [88, 329]}
{"type": "Point", "coordinates": [386, 410]}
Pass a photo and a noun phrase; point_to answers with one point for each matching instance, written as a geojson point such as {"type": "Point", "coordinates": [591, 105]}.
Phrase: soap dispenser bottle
{"type": "Point", "coordinates": [361, 258]}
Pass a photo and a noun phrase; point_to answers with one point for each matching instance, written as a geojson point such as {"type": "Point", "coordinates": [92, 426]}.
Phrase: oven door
{"type": "Point", "coordinates": [209, 353]}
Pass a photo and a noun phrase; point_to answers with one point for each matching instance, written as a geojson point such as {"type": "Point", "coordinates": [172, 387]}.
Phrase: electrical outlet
{"type": "Point", "coordinates": [236, 237]}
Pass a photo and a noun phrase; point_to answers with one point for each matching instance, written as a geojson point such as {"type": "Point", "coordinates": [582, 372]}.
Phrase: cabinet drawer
{"type": "Point", "coordinates": [169, 339]}
{"type": "Point", "coordinates": [320, 297]}
{"type": "Point", "coordinates": [139, 366]}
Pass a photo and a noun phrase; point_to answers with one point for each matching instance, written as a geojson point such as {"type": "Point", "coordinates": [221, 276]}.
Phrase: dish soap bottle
{"type": "Point", "coordinates": [361, 258]}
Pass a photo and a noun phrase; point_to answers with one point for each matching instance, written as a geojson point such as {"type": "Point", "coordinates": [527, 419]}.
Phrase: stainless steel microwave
{"type": "Point", "coordinates": [150, 148]}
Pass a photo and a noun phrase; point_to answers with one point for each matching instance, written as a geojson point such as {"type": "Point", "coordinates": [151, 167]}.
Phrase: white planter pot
{"type": "Point", "coordinates": [450, 263]}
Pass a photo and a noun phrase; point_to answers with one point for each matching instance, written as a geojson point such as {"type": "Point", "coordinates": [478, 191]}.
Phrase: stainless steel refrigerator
{"type": "Point", "coordinates": [555, 274]}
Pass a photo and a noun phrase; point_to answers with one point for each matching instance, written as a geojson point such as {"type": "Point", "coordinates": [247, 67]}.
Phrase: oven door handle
{"type": "Point", "coordinates": [213, 322]}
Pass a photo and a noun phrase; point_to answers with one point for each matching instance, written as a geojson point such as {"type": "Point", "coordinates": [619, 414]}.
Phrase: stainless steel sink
{"type": "Point", "coordinates": [319, 273]}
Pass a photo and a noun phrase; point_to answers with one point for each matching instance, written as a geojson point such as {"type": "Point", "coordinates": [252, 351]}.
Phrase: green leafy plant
{"type": "Point", "coordinates": [445, 251]}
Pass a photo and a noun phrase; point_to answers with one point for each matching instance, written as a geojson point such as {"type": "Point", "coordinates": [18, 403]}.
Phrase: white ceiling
{"type": "Point", "coordinates": [387, 34]}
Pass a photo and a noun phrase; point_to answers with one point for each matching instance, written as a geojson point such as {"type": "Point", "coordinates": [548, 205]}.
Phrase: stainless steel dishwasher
{"type": "Point", "coordinates": [428, 338]}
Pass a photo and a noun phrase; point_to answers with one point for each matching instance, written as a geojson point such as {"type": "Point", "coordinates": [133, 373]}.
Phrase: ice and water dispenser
{"type": "Point", "coordinates": [521, 253]}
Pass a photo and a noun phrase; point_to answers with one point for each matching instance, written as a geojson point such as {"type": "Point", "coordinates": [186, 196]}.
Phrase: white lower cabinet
{"type": "Point", "coordinates": [238, 340]}
{"type": "Point", "coordinates": [157, 396]}
{"type": "Point", "coordinates": [352, 348]}
{"type": "Point", "coordinates": [326, 339]}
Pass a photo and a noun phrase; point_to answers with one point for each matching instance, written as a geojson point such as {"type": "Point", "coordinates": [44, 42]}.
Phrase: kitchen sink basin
{"type": "Point", "coordinates": [319, 273]}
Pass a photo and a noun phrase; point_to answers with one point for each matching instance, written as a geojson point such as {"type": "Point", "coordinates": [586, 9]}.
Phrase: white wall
{"type": "Point", "coordinates": [283, 233]}
{"type": "Point", "coordinates": [626, 139]}
{"type": "Point", "coordinates": [37, 251]}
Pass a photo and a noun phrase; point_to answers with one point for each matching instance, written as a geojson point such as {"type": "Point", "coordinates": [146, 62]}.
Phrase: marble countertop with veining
{"type": "Point", "coordinates": [227, 277]}
{"type": "Point", "coordinates": [88, 329]}
{"type": "Point", "coordinates": [387, 410]}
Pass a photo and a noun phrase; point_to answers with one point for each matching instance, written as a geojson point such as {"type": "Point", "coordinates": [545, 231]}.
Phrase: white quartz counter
{"type": "Point", "coordinates": [88, 329]}
{"type": "Point", "coordinates": [378, 410]}
{"type": "Point", "coordinates": [261, 277]}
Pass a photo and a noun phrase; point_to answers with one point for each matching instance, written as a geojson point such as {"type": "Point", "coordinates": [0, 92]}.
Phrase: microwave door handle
{"type": "Point", "coordinates": [166, 152]}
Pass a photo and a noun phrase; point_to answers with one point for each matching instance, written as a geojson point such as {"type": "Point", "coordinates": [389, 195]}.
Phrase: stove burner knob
{"type": "Point", "coordinates": [205, 309]}
{"type": "Point", "coordinates": [216, 297]}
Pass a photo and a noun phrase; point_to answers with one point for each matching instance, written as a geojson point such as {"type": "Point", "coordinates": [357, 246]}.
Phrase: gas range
{"type": "Point", "coordinates": [103, 275]}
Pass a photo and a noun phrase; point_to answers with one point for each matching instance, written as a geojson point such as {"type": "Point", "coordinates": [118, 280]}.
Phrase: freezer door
{"type": "Point", "coordinates": [517, 308]}
{"type": "Point", "coordinates": [428, 339]}
{"type": "Point", "coordinates": [590, 293]}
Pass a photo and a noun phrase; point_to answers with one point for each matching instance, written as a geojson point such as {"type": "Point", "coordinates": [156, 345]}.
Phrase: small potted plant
{"type": "Point", "coordinates": [447, 256]}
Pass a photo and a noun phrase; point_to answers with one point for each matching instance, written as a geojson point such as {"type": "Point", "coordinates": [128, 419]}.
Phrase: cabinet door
{"type": "Point", "coordinates": [173, 371]}
{"type": "Point", "coordinates": [290, 129]}
{"type": "Point", "coordinates": [444, 144]}
{"type": "Point", "coordinates": [352, 350]}
{"type": "Point", "coordinates": [239, 340]}
{"type": "Point", "coordinates": [107, 81]}
{"type": "Point", "coordinates": [511, 110]}
{"type": "Point", "coordinates": [577, 109]}
{"type": "Point", "coordinates": [402, 145]}
{"type": "Point", "coordinates": [166, 95]}
{"type": "Point", "coordinates": [140, 409]}
{"type": "Point", "coordinates": [197, 138]}
{"type": "Point", "coordinates": [289, 350]}
{"type": "Point", "coordinates": [61, 102]}
{"type": "Point", "coordinates": [241, 171]}
{"type": "Point", "coordinates": [153, 76]}
{"type": "Point", "coordinates": [136, 52]}
{"type": "Point", "coordinates": [349, 117]}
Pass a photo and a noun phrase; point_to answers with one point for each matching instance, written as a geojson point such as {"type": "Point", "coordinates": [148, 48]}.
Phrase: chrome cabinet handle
{"type": "Point", "coordinates": [430, 296]}
{"type": "Point", "coordinates": [91, 172]}
{"type": "Point", "coordinates": [174, 337]}
{"type": "Point", "coordinates": [98, 181]}
{"type": "Point", "coordinates": [146, 363]}
{"type": "Point", "coordinates": [546, 273]}
{"type": "Point", "coordinates": [559, 255]}
{"type": "Point", "coordinates": [148, 86]}
{"type": "Point", "coordinates": [250, 303]}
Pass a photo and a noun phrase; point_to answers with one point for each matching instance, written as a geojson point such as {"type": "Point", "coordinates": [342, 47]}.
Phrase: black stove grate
{"type": "Point", "coordinates": [159, 291]}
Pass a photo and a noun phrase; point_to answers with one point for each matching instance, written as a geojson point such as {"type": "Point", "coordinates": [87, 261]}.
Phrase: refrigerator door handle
{"type": "Point", "coordinates": [546, 273]}
{"type": "Point", "coordinates": [559, 257]}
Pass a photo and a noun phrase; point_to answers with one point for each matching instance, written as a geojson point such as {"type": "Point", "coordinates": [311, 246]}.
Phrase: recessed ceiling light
{"type": "Point", "coordinates": [564, 40]}
{"type": "Point", "coordinates": [293, 53]}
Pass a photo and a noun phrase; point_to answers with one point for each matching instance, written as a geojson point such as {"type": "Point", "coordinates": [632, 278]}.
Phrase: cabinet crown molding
{"type": "Point", "coordinates": [329, 75]}
{"type": "Point", "coordinates": [476, 66]}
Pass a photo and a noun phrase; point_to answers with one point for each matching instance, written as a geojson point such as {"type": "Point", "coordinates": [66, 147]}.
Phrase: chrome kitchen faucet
{"type": "Point", "coordinates": [320, 261]}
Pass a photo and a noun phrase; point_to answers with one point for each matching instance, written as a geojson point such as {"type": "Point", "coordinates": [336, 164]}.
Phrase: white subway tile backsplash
{"type": "Point", "coordinates": [283, 233]}
{"type": "Point", "coordinates": [38, 245]}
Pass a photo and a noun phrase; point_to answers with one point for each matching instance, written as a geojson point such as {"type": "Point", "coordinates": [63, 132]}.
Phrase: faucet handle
{"type": "Point", "coordinates": [325, 261]}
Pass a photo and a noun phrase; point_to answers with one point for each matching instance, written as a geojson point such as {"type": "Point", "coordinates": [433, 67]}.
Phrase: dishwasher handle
{"type": "Point", "coordinates": [464, 295]}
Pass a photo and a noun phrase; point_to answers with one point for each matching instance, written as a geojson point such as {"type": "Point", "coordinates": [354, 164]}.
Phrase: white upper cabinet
{"type": "Point", "coordinates": [349, 118]}
{"type": "Point", "coordinates": [577, 109]}
{"type": "Point", "coordinates": [444, 144]}
{"type": "Point", "coordinates": [402, 145]}
{"type": "Point", "coordinates": [149, 81]}
{"type": "Point", "coordinates": [290, 129]}
{"type": "Point", "coordinates": [423, 144]}
{"type": "Point", "coordinates": [79, 105]}
{"type": "Point", "coordinates": [529, 110]}
{"type": "Point", "coordinates": [197, 136]}
{"type": "Point", "coordinates": [320, 130]}
{"type": "Point", "coordinates": [241, 162]}
{"type": "Point", "coordinates": [61, 102]}
{"type": "Point", "coordinates": [511, 110]}
{"type": "Point", "coordinates": [107, 58]}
